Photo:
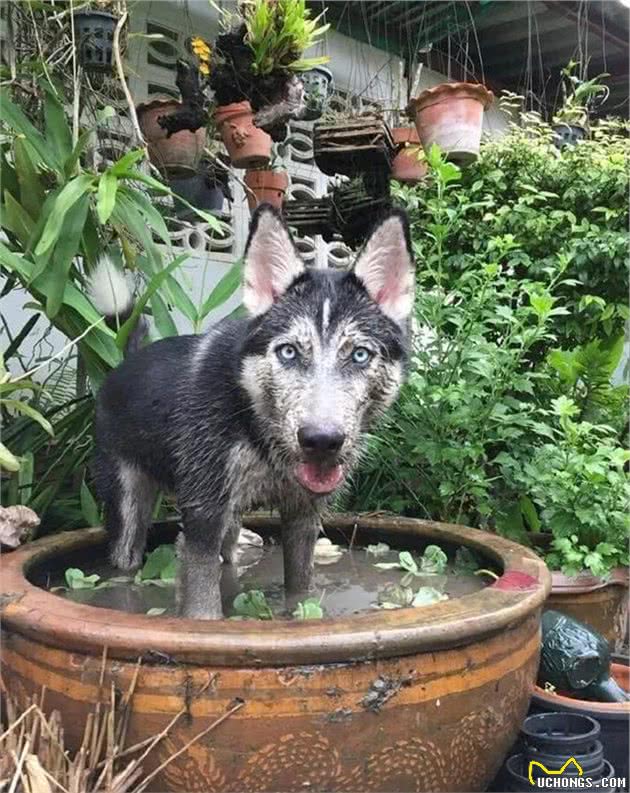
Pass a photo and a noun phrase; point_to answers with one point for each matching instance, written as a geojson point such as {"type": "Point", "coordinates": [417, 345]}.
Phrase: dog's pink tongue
{"type": "Point", "coordinates": [318, 479]}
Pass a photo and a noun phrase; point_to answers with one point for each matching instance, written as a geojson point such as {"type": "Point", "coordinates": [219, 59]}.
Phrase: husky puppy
{"type": "Point", "coordinates": [266, 410]}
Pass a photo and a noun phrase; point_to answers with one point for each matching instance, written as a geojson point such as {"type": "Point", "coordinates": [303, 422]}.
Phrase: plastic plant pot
{"type": "Point", "coordinates": [95, 35]}
{"type": "Point", "coordinates": [318, 87]}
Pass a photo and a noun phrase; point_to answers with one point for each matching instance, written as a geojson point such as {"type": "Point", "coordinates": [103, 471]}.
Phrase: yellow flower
{"type": "Point", "coordinates": [200, 48]}
{"type": "Point", "coordinates": [204, 68]}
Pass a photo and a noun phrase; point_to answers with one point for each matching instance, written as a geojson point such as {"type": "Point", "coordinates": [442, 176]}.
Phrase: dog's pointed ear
{"type": "Point", "coordinates": [271, 261]}
{"type": "Point", "coordinates": [385, 267]}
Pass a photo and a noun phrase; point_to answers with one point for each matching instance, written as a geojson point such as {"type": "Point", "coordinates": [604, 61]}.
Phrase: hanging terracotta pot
{"type": "Point", "coordinates": [451, 115]}
{"type": "Point", "coordinates": [247, 145]}
{"type": "Point", "coordinates": [406, 166]}
{"type": "Point", "coordinates": [266, 187]}
{"type": "Point", "coordinates": [177, 155]}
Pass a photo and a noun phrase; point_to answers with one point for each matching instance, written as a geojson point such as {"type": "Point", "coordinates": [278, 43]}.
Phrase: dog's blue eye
{"type": "Point", "coordinates": [286, 352]}
{"type": "Point", "coordinates": [361, 355]}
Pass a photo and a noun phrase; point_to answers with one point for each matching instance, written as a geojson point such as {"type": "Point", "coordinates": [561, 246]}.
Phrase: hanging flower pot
{"type": "Point", "coordinates": [178, 154]}
{"type": "Point", "coordinates": [408, 165]}
{"type": "Point", "coordinates": [266, 187]}
{"type": "Point", "coordinates": [247, 145]}
{"type": "Point", "coordinates": [94, 32]}
{"type": "Point", "coordinates": [199, 192]}
{"type": "Point", "coordinates": [318, 86]}
{"type": "Point", "coordinates": [451, 115]}
{"type": "Point", "coordinates": [353, 145]}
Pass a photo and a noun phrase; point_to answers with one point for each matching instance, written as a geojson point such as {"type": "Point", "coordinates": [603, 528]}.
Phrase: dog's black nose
{"type": "Point", "coordinates": [320, 440]}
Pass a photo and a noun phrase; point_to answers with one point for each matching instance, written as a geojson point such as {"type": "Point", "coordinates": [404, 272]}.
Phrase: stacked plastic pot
{"type": "Point", "coordinates": [559, 744]}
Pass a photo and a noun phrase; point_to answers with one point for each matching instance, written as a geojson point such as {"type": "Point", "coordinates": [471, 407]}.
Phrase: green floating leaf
{"type": "Point", "coordinates": [426, 596]}
{"type": "Point", "coordinates": [378, 549]}
{"type": "Point", "coordinates": [309, 609]}
{"type": "Point", "coordinates": [433, 561]}
{"type": "Point", "coordinates": [76, 579]}
{"type": "Point", "coordinates": [253, 604]}
{"type": "Point", "coordinates": [155, 612]}
{"type": "Point", "coordinates": [161, 564]}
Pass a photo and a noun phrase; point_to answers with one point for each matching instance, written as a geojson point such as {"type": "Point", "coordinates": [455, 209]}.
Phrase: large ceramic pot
{"type": "Point", "coordinates": [266, 187]}
{"type": "Point", "coordinates": [177, 155]}
{"type": "Point", "coordinates": [425, 699]}
{"type": "Point", "coordinates": [451, 115]}
{"type": "Point", "coordinates": [407, 167]}
{"type": "Point", "coordinates": [600, 603]}
{"type": "Point", "coordinates": [248, 145]}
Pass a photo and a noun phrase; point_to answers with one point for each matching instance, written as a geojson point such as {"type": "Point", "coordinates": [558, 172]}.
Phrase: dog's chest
{"type": "Point", "coordinates": [252, 481]}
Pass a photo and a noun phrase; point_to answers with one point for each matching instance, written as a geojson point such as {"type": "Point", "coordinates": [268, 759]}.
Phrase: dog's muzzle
{"type": "Point", "coordinates": [320, 472]}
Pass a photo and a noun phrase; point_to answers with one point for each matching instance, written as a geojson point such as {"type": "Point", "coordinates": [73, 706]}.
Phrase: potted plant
{"type": "Point", "coordinates": [318, 87]}
{"type": "Point", "coordinates": [175, 154]}
{"type": "Point", "coordinates": [175, 130]}
{"type": "Point", "coordinates": [349, 144]}
{"type": "Point", "coordinates": [207, 189]}
{"type": "Point", "coordinates": [255, 63]}
{"type": "Point", "coordinates": [310, 216]}
{"type": "Point", "coordinates": [94, 26]}
{"type": "Point", "coordinates": [570, 123]}
{"type": "Point", "coordinates": [268, 185]}
{"type": "Point", "coordinates": [451, 115]}
{"type": "Point", "coordinates": [577, 492]}
{"type": "Point", "coordinates": [409, 165]}
{"type": "Point", "coordinates": [356, 203]}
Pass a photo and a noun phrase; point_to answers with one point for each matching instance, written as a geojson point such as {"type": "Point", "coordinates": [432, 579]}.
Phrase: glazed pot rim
{"type": "Point", "coordinates": [520, 591]}
{"type": "Point", "coordinates": [587, 582]}
{"type": "Point", "coordinates": [431, 96]}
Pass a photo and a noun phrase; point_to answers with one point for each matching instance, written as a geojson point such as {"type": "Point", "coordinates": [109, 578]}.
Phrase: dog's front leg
{"type": "Point", "coordinates": [199, 585]}
{"type": "Point", "coordinates": [299, 534]}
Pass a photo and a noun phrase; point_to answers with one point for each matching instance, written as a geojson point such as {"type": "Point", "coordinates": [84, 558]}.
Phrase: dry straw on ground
{"type": "Point", "coordinates": [34, 758]}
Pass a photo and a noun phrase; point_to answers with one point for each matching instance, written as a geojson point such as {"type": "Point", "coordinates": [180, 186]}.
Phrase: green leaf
{"type": "Point", "coordinates": [161, 559]}
{"type": "Point", "coordinates": [224, 289]}
{"type": "Point", "coordinates": [8, 460]}
{"type": "Point", "coordinates": [71, 162]}
{"type": "Point", "coordinates": [153, 286]}
{"type": "Point", "coordinates": [309, 609]}
{"type": "Point", "coordinates": [164, 322]}
{"type": "Point", "coordinates": [426, 596]}
{"type": "Point", "coordinates": [121, 167]}
{"type": "Point", "coordinates": [67, 248]}
{"type": "Point", "coordinates": [16, 219]}
{"type": "Point", "coordinates": [58, 132]}
{"type": "Point", "coordinates": [153, 217]}
{"type": "Point", "coordinates": [106, 196]}
{"type": "Point", "coordinates": [13, 116]}
{"type": "Point", "coordinates": [89, 507]}
{"type": "Point", "coordinates": [76, 579]}
{"type": "Point", "coordinates": [253, 604]}
{"type": "Point", "coordinates": [66, 199]}
{"type": "Point", "coordinates": [528, 509]}
{"type": "Point", "coordinates": [433, 560]}
{"type": "Point", "coordinates": [32, 195]}
{"type": "Point", "coordinates": [27, 410]}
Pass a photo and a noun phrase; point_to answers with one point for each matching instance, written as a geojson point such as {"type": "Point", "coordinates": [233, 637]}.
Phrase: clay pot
{"type": "Point", "coordinates": [247, 145]}
{"type": "Point", "coordinates": [602, 604]}
{"type": "Point", "coordinates": [613, 717]}
{"type": "Point", "coordinates": [406, 166]}
{"type": "Point", "coordinates": [405, 700]}
{"type": "Point", "coordinates": [177, 155]}
{"type": "Point", "coordinates": [451, 115]}
{"type": "Point", "coordinates": [268, 187]}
